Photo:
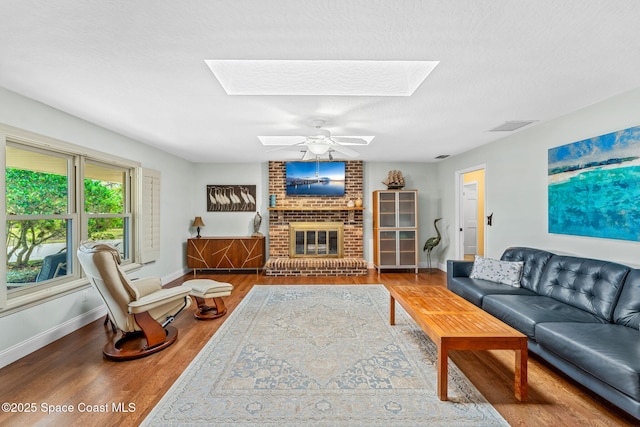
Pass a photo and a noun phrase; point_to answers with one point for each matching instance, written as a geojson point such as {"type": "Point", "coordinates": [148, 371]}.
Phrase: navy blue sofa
{"type": "Point", "coordinates": [581, 315]}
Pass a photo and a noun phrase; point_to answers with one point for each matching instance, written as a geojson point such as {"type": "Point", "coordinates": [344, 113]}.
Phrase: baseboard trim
{"type": "Point", "coordinates": [44, 338]}
{"type": "Point", "coordinates": [175, 275]}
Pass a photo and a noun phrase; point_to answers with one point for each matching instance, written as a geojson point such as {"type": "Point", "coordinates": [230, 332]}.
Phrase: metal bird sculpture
{"type": "Point", "coordinates": [257, 220]}
{"type": "Point", "coordinates": [432, 242]}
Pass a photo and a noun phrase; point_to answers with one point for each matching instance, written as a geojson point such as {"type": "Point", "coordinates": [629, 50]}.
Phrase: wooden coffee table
{"type": "Point", "coordinates": [454, 323]}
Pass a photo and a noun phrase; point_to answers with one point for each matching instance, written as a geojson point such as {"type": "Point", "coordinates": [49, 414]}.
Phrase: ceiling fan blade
{"type": "Point", "coordinates": [344, 150]}
{"type": "Point", "coordinates": [284, 147]}
{"type": "Point", "coordinates": [349, 140]}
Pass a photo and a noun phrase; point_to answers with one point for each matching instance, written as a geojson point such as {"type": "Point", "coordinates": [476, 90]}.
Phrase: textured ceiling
{"type": "Point", "coordinates": [138, 68]}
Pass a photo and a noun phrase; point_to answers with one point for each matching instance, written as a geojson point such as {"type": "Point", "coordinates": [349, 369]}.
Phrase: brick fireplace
{"type": "Point", "coordinates": [310, 209]}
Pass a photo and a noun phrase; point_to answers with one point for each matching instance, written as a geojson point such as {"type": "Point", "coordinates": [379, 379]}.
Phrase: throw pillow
{"type": "Point", "coordinates": [495, 270]}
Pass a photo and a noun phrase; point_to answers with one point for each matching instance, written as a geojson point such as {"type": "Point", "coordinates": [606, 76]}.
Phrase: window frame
{"type": "Point", "coordinates": [69, 215]}
{"type": "Point", "coordinates": [128, 212]}
{"type": "Point", "coordinates": [54, 288]}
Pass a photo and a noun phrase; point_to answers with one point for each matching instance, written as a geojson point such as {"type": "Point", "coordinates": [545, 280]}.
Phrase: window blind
{"type": "Point", "coordinates": [150, 216]}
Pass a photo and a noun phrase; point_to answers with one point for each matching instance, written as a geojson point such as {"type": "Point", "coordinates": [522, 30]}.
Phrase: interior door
{"type": "Point", "coordinates": [470, 218]}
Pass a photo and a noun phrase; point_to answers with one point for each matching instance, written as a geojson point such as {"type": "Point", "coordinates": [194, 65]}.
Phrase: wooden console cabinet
{"type": "Point", "coordinates": [228, 253]}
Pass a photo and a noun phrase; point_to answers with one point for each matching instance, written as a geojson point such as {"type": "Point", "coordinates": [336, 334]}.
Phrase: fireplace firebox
{"type": "Point", "coordinates": [315, 239]}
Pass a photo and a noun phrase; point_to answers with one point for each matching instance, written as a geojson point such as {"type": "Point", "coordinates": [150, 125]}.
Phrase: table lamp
{"type": "Point", "coordinates": [197, 222]}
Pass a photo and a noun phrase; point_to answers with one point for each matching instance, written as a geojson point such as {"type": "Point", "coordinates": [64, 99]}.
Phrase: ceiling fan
{"type": "Point", "coordinates": [320, 142]}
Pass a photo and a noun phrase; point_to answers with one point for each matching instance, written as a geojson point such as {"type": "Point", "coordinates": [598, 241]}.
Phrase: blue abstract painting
{"type": "Point", "coordinates": [594, 186]}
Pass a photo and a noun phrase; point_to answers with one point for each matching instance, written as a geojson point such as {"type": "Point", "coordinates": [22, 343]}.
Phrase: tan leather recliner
{"type": "Point", "coordinates": [138, 308]}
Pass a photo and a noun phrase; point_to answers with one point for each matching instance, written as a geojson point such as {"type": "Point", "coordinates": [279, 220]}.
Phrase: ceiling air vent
{"type": "Point", "coordinates": [512, 125]}
{"type": "Point", "coordinates": [442, 156]}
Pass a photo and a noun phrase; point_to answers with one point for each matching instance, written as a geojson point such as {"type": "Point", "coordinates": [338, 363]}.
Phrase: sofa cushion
{"type": "Point", "coordinates": [609, 352]}
{"type": "Point", "coordinates": [590, 285]}
{"type": "Point", "coordinates": [534, 263]}
{"type": "Point", "coordinates": [473, 290]}
{"type": "Point", "coordinates": [523, 312]}
{"type": "Point", "coordinates": [627, 311]}
{"type": "Point", "coordinates": [495, 270]}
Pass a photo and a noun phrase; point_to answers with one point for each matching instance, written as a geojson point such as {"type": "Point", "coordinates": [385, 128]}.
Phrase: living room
{"type": "Point", "coordinates": [516, 197]}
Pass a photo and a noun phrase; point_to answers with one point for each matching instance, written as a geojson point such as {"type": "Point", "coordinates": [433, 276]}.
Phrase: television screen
{"type": "Point", "coordinates": [315, 178]}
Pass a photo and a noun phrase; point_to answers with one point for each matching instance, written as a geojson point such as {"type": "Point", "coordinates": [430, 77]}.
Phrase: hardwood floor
{"type": "Point", "coordinates": [72, 372]}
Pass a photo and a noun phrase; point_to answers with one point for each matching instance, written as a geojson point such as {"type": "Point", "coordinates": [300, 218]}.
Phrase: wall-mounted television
{"type": "Point", "coordinates": [315, 178]}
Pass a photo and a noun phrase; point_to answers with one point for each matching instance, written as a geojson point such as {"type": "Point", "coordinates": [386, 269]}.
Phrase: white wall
{"type": "Point", "coordinates": [32, 327]}
{"type": "Point", "coordinates": [230, 223]}
{"type": "Point", "coordinates": [516, 183]}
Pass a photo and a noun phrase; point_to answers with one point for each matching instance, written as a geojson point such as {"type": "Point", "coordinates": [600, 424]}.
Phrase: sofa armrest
{"type": "Point", "coordinates": [459, 268]}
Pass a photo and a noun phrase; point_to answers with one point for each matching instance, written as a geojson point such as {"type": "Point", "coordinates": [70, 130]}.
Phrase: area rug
{"type": "Point", "coordinates": [319, 355]}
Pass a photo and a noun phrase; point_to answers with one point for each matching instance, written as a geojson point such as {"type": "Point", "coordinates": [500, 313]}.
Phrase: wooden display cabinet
{"type": "Point", "coordinates": [395, 229]}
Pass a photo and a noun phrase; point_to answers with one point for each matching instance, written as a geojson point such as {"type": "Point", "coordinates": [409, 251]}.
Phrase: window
{"type": "Point", "coordinates": [55, 198]}
{"type": "Point", "coordinates": [107, 206]}
{"type": "Point", "coordinates": [39, 215]}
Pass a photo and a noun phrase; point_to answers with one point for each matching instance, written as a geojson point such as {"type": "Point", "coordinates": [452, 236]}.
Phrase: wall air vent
{"type": "Point", "coordinates": [511, 125]}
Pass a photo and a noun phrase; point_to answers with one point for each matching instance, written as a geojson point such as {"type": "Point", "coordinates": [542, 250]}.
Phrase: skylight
{"type": "Point", "coordinates": [320, 77]}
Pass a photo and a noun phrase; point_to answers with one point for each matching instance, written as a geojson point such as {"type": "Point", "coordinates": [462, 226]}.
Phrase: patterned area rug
{"type": "Point", "coordinates": [319, 355]}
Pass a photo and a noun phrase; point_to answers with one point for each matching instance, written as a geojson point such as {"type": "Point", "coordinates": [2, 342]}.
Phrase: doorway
{"type": "Point", "coordinates": [470, 213]}
{"type": "Point", "coordinates": [470, 219]}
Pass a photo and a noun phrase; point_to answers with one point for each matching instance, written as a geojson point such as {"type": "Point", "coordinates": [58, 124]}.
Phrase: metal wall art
{"type": "Point", "coordinates": [231, 198]}
{"type": "Point", "coordinates": [594, 186]}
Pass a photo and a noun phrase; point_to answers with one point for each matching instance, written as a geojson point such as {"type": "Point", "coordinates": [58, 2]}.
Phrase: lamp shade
{"type": "Point", "coordinates": [197, 222]}
{"type": "Point", "coordinates": [318, 148]}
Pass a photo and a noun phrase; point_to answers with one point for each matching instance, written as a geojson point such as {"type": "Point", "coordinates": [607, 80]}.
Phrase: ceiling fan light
{"type": "Point", "coordinates": [318, 149]}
